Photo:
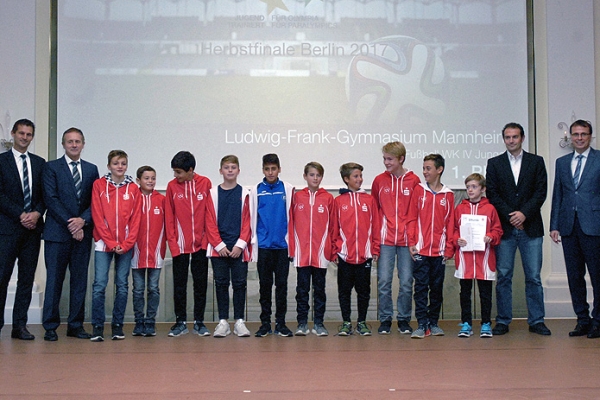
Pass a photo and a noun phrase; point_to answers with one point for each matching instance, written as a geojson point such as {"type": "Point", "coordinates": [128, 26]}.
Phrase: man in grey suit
{"type": "Point", "coordinates": [575, 219]}
{"type": "Point", "coordinates": [68, 184]}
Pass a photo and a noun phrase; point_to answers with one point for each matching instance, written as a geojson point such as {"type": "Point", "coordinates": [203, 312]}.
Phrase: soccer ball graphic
{"type": "Point", "coordinates": [398, 75]}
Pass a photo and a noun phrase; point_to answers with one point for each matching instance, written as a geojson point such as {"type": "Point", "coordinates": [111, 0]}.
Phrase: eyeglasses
{"type": "Point", "coordinates": [580, 135]}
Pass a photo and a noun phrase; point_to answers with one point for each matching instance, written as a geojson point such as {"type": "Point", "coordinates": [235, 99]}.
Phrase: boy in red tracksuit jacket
{"type": "Point", "coordinates": [148, 253]}
{"type": "Point", "coordinates": [311, 246]}
{"type": "Point", "coordinates": [479, 265]}
{"type": "Point", "coordinates": [356, 240]}
{"type": "Point", "coordinates": [430, 232]}
{"type": "Point", "coordinates": [185, 212]}
{"type": "Point", "coordinates": [115, 212]}
{"type": "Point", "coordinates": [229, 233]}
{"type": "Point", "coordinates": [392, 190]}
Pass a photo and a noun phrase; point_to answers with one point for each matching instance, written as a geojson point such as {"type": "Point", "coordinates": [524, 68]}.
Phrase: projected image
{"type": "Point", "coordinates": [330, 81]}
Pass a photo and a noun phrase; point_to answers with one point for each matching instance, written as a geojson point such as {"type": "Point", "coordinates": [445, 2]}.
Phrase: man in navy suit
{"type": "Point", "coordinates": [21, 223]}
{"type": "Point", "coordinates": [517, 184]}
{"type": "Point", "coordinates": [575, 218]}
{"type": "Point", "coordinates": [68, 234]}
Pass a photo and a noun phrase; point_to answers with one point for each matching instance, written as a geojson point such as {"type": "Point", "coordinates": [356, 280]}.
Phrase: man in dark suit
{"type": "Point", "coordinates": [575, 218]}
{"type": "Point", "coordinates": [21, 222]}
{"type": "Point", "coordinates": [517, 186]}
{"type": "Point", "coordinates": [68, 234]}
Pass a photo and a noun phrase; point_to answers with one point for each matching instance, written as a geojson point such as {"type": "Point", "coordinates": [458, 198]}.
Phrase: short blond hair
{"type": "Point", "coordinates": [396, 149]}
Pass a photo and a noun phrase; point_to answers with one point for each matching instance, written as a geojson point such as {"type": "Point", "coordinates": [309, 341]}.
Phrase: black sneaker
{"type": "Point", "coordinates": [282, 330]}
{"type": "Point", "coordinates": [98, 334]}
{"type": "Point", "coordinates": [117, 332]}
{"type": "Point", "coordinates": [139, 329]}
{"type": "Point", "coordinates": [385, 328]}
{"type": "Point", "coordinates": [149, 329]}
{"type": "Point", "coordinates": [404, 327]}
{"type": "Point", "coordinates": [264, 330]}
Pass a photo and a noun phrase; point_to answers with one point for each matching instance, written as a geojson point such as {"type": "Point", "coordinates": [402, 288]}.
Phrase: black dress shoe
{"type": "Point", "coordinates": [580, 330]}
{"type": "Point", "coordinates": [500, 329]}
{"type": "Point", "coordinates": [540, 328]}
{"type": "Point", "coordinates": [594, 333]}
{"type": "Point", "coordinates": [51, 336]}
{"type": "Point", "coordinates": [78, 333]}
{"type": "Point", "coordinates": [22, 333]}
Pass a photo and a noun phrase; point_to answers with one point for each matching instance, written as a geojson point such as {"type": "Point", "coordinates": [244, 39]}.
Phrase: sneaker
{"type": "Point", "coordinates": [240, 329]}
{"type": "Point", "coordinates": [404, 327]}
{"type": "Point", "coordinates": [385, 328]}
{"type": "Point", "coordinates": [139, 329]}
{"type": "Point", "coordinates": [302, 330]}
{"type": "Point", "coordinates": [98, 334]}
{"type": "Point", "coordinates": [282, 330]}
{"type": "Point", "coordinates": [345, 329]}
{"type": "Point", "coordinates": [320, 330]}
{"type": "Point", "coordinates": [149, 329]}
{"type": "Point", "coordinates": [466, 330]}
{"type": "Point", "coordinates": [117, 332]}
{"type": "Point", "coordinates": [435, 330]}
{"type": "Point", "coordinates": [420, 332]}
{"type": "Point", "coordinates": [264, 330]}
{"type": "Point", "coordinates": [200, 329]}
{"type": "Point", "coordinates": [486, 330]}
{"type": "Point", "coordinates": [363, 329]}
{"type": "Point", "coordinates": [178, 329]}
{"type": "Point", "coordinates": [222, 329]}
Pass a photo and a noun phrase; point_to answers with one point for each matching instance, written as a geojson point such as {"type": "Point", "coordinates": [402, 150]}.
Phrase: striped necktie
{"type": "Point", "coordinates": [76, 178]}
{"type": "Point", "coordinates": [26, 188]}
{"type": "Point", "coordinates": [577, 170]}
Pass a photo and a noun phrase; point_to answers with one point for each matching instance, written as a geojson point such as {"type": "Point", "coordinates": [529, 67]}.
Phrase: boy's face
{"type": "Point", "coordinates": [182, 175]}
{"type": "Point", "coordinates": [271, 172]}
{"type": "Point", "coordinates": [392, 164]}
{"type": "Point", "coordinates": [430, 173]}
{"type": "Point", "coordinates": [354, 181]}
{"type": "Point", "coordinates": [313, 179]}
{"type": "Point", "coordinates": [117, 167]}
{"type": "Point", "coordinates": [475, 191]}
{"type": "Point", "coordinates": [147, 181]}
{"type": "Point", "coordinates": [230, 171]}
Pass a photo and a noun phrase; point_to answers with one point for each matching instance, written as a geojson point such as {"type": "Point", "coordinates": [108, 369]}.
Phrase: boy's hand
{"type": "Point", "coordinates": [461, 242]}
{"type": "Point", "coordinates": [375, 258]}
{"type": "Point", "coordinates": [487, 239]}
{"type": "Point", "coordinates": [224, 252]}
{"type": "Point", "coordinates": [555, 235]}
{"type": "Point", "coordinates": [235, 252]}
{"type": "Point", "coordinates": [413, 251]}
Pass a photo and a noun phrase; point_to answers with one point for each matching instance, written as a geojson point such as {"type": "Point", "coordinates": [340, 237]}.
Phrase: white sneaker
{"type": "Point", "coordinates": [222, 329]}
{"type": "Point", "coordinates": [240, 328]}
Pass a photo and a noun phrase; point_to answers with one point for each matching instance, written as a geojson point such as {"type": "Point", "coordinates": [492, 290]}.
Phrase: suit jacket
{"type": "Point", "coordinates": [61, 198]}
{"type": "Point", "coordinates": [11, 193]}
{"type": "Point", "coordinates": [585, 199]}
{"type": "Point", "coordinates": [527, 195]}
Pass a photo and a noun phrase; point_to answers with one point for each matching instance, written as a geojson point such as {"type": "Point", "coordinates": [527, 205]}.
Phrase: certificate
{"type": "Point", "coordinates": [472, 229]}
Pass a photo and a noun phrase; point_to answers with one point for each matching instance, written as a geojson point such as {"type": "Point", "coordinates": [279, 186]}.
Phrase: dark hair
{"type": "Point", "coordinates": [583, 124]}
{"type": "Point", "coordinates": [271, 158]}
{"type": "Point", "coordinates": [346, 169]}
{"type": "Point", "coordinates": [315, 165]}
{"type": "Point", "coordinates": [513, 125]}
{"type": "Point", "coordinates": [144, 168]}
{"type": "Point", "coordinates": [437, 159]}
{"type": "Point", "coordinates": [73, 129]}
{"type": "Point", "coordinates": [476, 177]}
{"type": "Point", "coordinates": [184, 160]}
{"type": "Point", "coordinates": [116, 153]}
{"type": "Point", "coordinates": [24, 122]}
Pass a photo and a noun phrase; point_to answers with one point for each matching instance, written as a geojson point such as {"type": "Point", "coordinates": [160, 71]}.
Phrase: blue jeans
{"type": "Point", "coordinates": [102, 262]}
{"type": "Point", "coordinates": [385, 275]}
{"type": "Point", "coordinates": [531, 256]}
{"type": "Point", "coordinates": [234, 270]}
{"type": "Point", "coordinates": [139, 276]}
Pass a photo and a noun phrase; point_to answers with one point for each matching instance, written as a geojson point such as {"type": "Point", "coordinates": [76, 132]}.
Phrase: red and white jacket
{"type": "Point", "coordinates": [185, 211]}
{"type": "Point", "coordinates": [393, 195]}
{"type": "Point", "coordinates": [151, 246]}
{"type": "Point", "coordinates": [115, 212]}
{"type": "Point", "coordinates": [311, 228]}
{"type": "Point", "coordinates": [356, 231]}
{"type": "Point", "coordinates": [477, 264]}
{"type": "Point", "coordinates": [431, 221]}
{"type": "Point", "coordinates": [215, 243]}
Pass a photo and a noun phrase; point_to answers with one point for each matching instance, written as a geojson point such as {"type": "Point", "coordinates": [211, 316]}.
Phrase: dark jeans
{"type": "Point", "coordinates": [357, 276]}
{"type": "Point", "coordinates": [429, 283]}
{"type": "Point", "coordinates": [273, 263]}
{"type": "Point", "coordinates": [234, 270]}
{"type": "Point", "coordinates": [485, 297]}
{"type": "Point", "coordinates": [199, 268]}
{"type": "Point", "coordinates": [303, 289]}
{"type": "Point", "coordinates": [140, 275]}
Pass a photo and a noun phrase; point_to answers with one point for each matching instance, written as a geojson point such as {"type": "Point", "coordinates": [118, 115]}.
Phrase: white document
{"type": "Point", "coordinates": [472, 229]}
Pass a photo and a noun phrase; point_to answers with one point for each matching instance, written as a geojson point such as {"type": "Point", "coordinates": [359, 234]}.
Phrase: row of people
{"type": "Point", "coordinates": [403, 218]}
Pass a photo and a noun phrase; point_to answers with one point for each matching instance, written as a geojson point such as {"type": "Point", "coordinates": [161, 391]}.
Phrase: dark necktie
{"type": "Point", "coordinates": [76, 178]}
{"type": "Point", "coordinates": [577, 170]}
{"type": "Point", "coordinates": [26, 189]}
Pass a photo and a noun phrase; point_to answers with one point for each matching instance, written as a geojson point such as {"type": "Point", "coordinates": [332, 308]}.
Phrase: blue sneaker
{"type": "Point", "coordinates": [420, 332]}
{"type": "Point", "coordinates": [486, 330]}
{"type": "Point", "coordinates": [200, 329]}
{"type": "Point", "coordinates": [466, 330]}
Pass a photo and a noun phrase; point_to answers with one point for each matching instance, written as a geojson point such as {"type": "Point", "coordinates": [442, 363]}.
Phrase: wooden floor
{"type": "Point", "coordinates": [519, 365]}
